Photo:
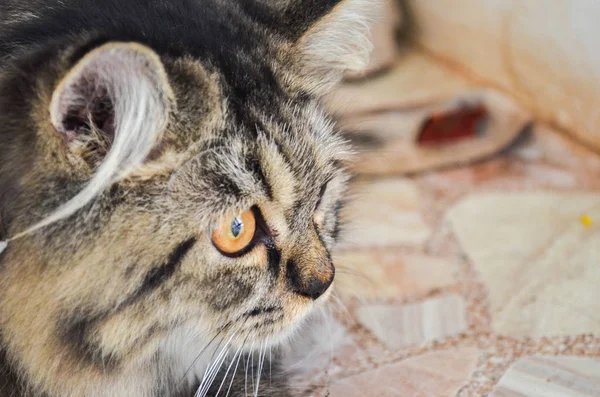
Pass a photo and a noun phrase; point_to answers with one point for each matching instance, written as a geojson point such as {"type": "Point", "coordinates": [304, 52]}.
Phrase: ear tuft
{"type": "Point", "coordinates": [339, 42]}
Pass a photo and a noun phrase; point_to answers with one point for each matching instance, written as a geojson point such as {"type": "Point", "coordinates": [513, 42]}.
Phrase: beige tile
{"type": "Point", "coordinates": [554, 148]}
{"type": "Point", "coordinates": [536, 258]}
{"type": "Point", "coordinates": [438, 374]}
{"type": "Point", "coordinates": [551, 176]}
{"type": "Point", "coordinates": [416, 323]}
{"type": "Point", "coordinates": [545, 376]}
{"type": "Point", "coordinates": [388, 273]}
{"type": "Point", "coordinates": [385, 213]}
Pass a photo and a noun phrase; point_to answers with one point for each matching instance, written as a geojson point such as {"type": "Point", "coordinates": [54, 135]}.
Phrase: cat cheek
{"type": "Point", "coordinates": [258, 257]}
{"type": "Point", "coordinates": [319, 219]}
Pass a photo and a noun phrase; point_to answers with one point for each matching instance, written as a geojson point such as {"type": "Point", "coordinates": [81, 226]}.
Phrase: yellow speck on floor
{"type": "Point", "coordinates": [586, 220]}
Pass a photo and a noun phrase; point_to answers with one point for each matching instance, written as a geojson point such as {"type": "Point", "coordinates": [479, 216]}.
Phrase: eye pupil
{"type": "Point", "coordinates": [237, 227]}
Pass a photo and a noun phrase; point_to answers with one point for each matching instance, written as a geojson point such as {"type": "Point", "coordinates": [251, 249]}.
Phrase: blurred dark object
{"type": "Point", "coordinates": [451, 126]}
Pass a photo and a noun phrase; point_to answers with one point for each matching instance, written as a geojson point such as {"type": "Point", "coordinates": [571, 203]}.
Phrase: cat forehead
{"type": "Point", "coordinates": [211, 105]}
{"type": "Point", "coordinates": [215, 118]}
{"type": "Point", "coordinates": [283, 161]}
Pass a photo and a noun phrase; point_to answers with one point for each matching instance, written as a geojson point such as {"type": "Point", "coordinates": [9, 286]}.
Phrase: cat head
{"type": "Point", "coordinates": [170, 179]}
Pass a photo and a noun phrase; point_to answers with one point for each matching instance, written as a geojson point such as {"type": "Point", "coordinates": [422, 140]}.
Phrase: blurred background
{"type": "Point", "coordinates": [471, 265]}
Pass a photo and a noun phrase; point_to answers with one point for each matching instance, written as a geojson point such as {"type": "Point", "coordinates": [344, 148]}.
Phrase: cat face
{"type": "Point", "coordinates": [175, 195]}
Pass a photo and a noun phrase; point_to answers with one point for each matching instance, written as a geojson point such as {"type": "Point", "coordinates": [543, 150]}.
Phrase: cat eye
{"type": "Point", "coordinates": [235, 234]}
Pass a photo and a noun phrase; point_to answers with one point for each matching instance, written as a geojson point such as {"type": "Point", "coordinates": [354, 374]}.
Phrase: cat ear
{"type": "Point", "coordinates": [118, 97]}
{"type": "Point", "coordinates": [338, 41]}
{"type": "Point", "coordinates": [117, 94]}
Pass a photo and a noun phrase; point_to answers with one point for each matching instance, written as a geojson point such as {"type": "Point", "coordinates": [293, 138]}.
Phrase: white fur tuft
{"type": "Point", "coordinates": [136, 83]}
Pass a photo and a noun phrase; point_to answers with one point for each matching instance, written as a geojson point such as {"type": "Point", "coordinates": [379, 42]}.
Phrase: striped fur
{"type": "Point", "coordinates": [128, 130]}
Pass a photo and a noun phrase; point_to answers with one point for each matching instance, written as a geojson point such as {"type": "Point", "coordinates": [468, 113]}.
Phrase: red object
{"type": "Point", "coordinates": [451, 126]}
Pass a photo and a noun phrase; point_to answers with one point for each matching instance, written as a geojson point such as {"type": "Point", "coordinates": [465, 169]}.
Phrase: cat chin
{"type": "Point", "coordinates": [187, 351]}
{"type": "Point", "coordinates": [285, 333]}
{"type": "Point", "coordinates": [288, 332]}
{"type": "Point", "coordinates": [184, 345]}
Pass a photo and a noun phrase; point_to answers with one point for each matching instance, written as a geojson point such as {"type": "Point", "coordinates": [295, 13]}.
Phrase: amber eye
{"type": "Point", "coordinates": [235, 234]}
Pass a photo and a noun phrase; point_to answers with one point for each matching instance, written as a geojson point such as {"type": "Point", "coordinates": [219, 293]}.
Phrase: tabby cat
{"type": "Point", "coordinates": [169, 190]}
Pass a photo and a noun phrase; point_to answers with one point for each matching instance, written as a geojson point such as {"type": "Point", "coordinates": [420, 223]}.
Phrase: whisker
{"type": "Point", "coordinates": [261, 365]}
{"type": "Point", "coordinates": [210, 375]}
{"type": "Point", "coordinates": [252, 363]}
{"type": "Point", "coordinates": [343, 307]}
{"type": "Point", "coordinates": [327, 322]}
{"type": "Point", "coordinates": [246, 375]}
{"type": "Point", "coordinates": [352, 272]}
{"type": "Point", "coordinates": [235, 371]}
{"type": "Point", "coordinates": [210, 361]}
{"type": "Point", "coordinates": [228, 369]}
{"type": "Point", "coordinates": [216, 369]}
{"type": "Point", "coordinates": [337, 301]}
{"type": "Point", "coordinates": [209, 379]}
{"type": "Point", "coordinates": [258, 372]}
{"type": "Point", "coordinates": [202, 352]}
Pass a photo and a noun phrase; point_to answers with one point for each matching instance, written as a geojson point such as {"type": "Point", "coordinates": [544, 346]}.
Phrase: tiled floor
{"type": "Point", "coordinates": [476, 280]}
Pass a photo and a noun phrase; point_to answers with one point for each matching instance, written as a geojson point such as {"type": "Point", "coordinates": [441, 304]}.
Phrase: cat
{"type": "Point", "coordinates": [170, 190]}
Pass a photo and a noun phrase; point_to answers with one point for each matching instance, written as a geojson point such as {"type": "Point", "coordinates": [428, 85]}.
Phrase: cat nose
{"type": "Point", "coordinates": [311, 281]}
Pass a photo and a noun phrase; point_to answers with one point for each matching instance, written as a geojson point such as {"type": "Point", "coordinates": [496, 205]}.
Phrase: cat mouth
{"type": "Point", "coordinates": [271, 322]}
{"type": "Point", "coordinates": [259, 311]}
{"type": "Point", "coordinates": [276, 319]}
